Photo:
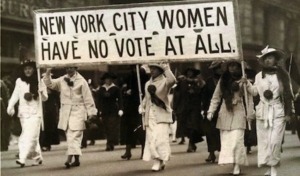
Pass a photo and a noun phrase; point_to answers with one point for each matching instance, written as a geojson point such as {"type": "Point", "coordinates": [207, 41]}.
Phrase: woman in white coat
{"type": "Point", "coordinates": [26, 93]}
{"type": "Point", "coordinates": [232, 116]}
{"type": "Point", "coordinates": [272, 85]}
{"type": "Point", "coordinates": [77, 106]}
{"type": "Point", "coordinates": [157, 115]}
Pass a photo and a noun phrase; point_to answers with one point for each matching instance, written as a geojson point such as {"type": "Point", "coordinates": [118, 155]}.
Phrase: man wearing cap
{"type": "Point", "coordinates": [157, 115]}
{"type": "Point", "coordinates": [77, 105]}
{"type": "Point", "coordinates": [272, 84]}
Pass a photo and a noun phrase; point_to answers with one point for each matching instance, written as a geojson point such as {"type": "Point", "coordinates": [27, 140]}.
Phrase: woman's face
{"type": "Point", "coordinates": [234, 69]}
{"type": "Point", "coordinates": [269, 60]}
{"type": "Point", "coordinates": [28, 71]}
{"type": "Point", "coordinates": [108, 81]}
{"type": "Point", "coordinates": [71, 71]}
{"type": "Point", "coordinates": [154, 72]}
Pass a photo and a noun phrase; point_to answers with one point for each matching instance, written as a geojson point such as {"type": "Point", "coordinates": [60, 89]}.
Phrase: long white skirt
{"type": "Point", "coordinates": [233, 150]}
{"type": "Point", "coordinates": [157, 145]}
{"type": "Point", "coordinates": [74, 138]}
{"type": "Point", "coordinates": [269, 141]}
{"type": "Point", "coordinates": [29, 146]}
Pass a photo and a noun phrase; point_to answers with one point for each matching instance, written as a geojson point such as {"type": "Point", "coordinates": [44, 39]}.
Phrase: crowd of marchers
{"type": "Point", "coordinates": [230, 110]}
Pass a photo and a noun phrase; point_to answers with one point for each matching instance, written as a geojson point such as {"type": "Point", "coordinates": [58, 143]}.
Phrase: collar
{"type": "Point", "coordinates": [108, 87]}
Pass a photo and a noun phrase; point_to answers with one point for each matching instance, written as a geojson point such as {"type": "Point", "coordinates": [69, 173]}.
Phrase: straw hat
{"type": "Point", "coordinates": [266, 51]}
{"type": "Point", "coordinates": [157, 66]}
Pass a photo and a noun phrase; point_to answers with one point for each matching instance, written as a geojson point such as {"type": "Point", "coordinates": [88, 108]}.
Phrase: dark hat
{"type": "Point", "coordinates": [193, 70]}
{"type": "Point", "coordinates": [267, 51]}
{"type": "Point", "coordinates": [108, 75]}
{"type": "Point", "coordinates": [246, 65]}
{"type": "Point", "coordinates": [28, 63]}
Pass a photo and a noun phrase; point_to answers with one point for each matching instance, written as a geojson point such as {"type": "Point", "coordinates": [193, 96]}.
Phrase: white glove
{"type": "Point", "coordinates": [210, 116]}
{"type": "Point", "coordinates": [165, 66]}
{"type": "Point", "coordinates": [42, 87]}
{"type": "Point", "coordinates": [10, 111]}
{"type": "Point", "coordinates": [141, 110]}
{"type": "Point", "coordinates": [120, 113]}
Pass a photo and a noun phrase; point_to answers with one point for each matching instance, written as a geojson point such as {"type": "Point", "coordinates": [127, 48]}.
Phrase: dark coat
{"type": "Point", "coordinates": [109, 101]}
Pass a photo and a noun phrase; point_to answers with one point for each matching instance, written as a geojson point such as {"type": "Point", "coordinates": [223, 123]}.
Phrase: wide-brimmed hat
{"type": "Point", "coordinates": [28, 62]}
{"type": "Point", "coordinates": [157, 66]}
{"type": "Point", "coordinates": [266, 51]}
{"type": "Point", "coordinates": [108, 75]}
{"type": "Point", "coordinates": [215, 64]}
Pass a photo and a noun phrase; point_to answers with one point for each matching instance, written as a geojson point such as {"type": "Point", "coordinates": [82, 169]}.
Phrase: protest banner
{"type": "Point", "coordinates": [138, 33]}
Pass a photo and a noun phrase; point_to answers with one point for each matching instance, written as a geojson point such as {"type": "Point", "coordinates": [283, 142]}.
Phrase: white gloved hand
{"type": "Point", "coordinates": [10, 111]}
{"type": "Point", "coordinates": [165, 66]}
{"type": "Point", "coordinates": [210, 116]}
{"type": "Point", "coordinates": [41, 87]}
{"type": "Point", "coordinates": [120, 113]}
{"type": "Point", "coordinates": [141, 110]}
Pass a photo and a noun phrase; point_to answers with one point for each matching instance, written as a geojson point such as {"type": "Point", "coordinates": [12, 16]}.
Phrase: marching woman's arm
{"type": "Point", "coordinates": [43, 90]}
{"type": "Point", "coordinates": [215, 101]}
{"type": "Point", "coordinates": [14, 98]}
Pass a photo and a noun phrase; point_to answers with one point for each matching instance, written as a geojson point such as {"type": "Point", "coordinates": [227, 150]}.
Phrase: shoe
{"type": "Point", "coordinates": [92, 142]}
{"type": "Point", "coordinates": [181, 142]}
{"type": "Point", "coordinates": [211, 158]}
{"type": "Point", "coordinates": [126, 156]}
{"type": "Point", "coordinates": [37, 162]}
{"type": "Point", "coordinates": [83, 146]}
{"type": "Point", "coordinates": [68, 165]}
{"type": "Point", "coordinates": [191, 148]}
{"type": "Point", "coordinates": [44, 149]}
{"type": "Point", "coordinates": [20, 163]}
{"type": "Point", "coordinates": [162, 165]}
{"type": "Point", "coordinates": [268, 173]}
{"type": "Point", "coordinates": [75, 164]}
{"type": "Point", "coordinates": [156, 166]}
{"type": "Point", "coordinates": [236, 173]}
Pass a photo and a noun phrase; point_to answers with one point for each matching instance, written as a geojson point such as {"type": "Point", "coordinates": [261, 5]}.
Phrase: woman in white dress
{"type": "Point", "coordinates": [26, 93]}
{"type": "Point", "coordinates": [272, 85]}
{"type": "Point", "coordinates": [232, 117]}
{"type": "Point", "coordinates": [157, 114]}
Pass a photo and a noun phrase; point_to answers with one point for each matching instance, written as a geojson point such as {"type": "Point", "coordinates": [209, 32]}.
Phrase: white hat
{"type": "Point", "coordinates": [267, 50]}
{"type": "Point", "coordinates": [156, 65]}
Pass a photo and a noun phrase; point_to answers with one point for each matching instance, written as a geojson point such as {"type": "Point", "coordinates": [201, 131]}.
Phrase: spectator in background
{"type": "Point", "coordinates": [5, 119]}
{"type": "Point", "coordinates": [26, 92]}
{"type": "Point", "coordinates": [132, 119]}
{"type": "Point", "coordinates": [77, 106]}
{"type": "Point", "coordinates": [157, 115]}
{"type": "Point", "coordinates": [110, 107]}
{"type": "Point", "coordinates": [50, 135]}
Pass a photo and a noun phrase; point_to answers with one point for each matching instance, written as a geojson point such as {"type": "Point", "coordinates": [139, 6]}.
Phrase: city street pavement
{"type": "Point", "coordinates": [96, 161]}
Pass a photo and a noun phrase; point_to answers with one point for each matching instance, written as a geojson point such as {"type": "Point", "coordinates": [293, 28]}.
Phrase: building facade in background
{"type": "Point", "coordinates": [262, 22]}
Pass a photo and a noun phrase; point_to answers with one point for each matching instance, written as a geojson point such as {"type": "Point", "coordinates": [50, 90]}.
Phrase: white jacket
{"type": "Point", "coordinates": [26, 108]}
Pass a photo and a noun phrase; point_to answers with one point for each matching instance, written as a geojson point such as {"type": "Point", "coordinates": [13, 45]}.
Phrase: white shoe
{"type": "Point", "coordinates": [273, 171]}
{"type": "Point", "coordinates": [268, 173]}
{"type": "Point", "coordinates": [236, 170]}
{"type": "Point", "coordinates": [37, 162]}
{"type": "Point", "coordinates": [156, 166]}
